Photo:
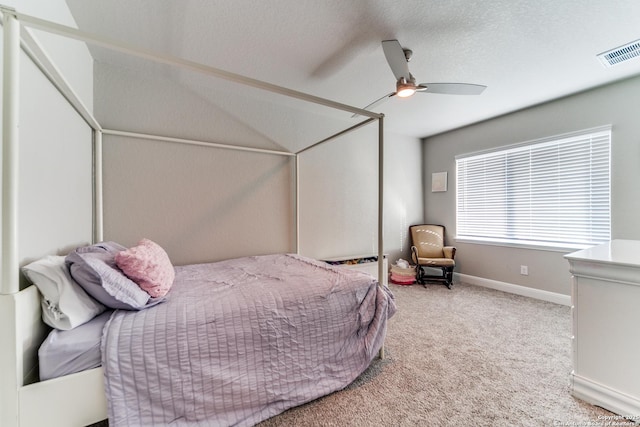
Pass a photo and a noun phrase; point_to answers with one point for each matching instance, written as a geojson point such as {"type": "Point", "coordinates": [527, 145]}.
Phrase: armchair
{"type": "Point", "coordinates": [428, 251]}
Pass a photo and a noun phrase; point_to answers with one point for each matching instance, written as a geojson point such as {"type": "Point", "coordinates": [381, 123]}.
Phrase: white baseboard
{"type": "Point", "coordinates": [605, 397]}
{"type": "Point", "coordinates": [515, 289]}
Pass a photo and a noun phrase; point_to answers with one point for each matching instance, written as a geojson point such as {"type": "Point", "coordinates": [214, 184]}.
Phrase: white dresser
{"type": "Point", "coordinates": [605, 300]}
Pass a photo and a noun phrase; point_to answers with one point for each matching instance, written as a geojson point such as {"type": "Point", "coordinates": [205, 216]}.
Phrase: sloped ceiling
{"type": "Point", "coordinates": [526, 52]}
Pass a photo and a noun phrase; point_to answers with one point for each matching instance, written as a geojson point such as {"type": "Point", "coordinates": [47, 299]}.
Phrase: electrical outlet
{"type": "Point", "coordinates": [524, 270]}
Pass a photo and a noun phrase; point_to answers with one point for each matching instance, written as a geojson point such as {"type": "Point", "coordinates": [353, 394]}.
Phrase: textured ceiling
{"type": "Point", "coordinates": [526, 52]}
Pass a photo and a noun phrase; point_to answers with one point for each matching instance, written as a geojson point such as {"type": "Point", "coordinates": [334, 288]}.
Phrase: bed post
{"type": "Point", "coordinates": [97, 187]}
{"type": "Point", "coordinates": [10, 126]}
{"type": "Point", "coordinates": [297, 197]}
{"type": "Point", "coordinates": [10, 363]}
{"type": "Point", "coordinates": [381, 270]}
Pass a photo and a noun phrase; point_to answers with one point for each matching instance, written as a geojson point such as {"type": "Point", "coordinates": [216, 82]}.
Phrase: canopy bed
{"type": "Point", "coordinates": [79, 398]}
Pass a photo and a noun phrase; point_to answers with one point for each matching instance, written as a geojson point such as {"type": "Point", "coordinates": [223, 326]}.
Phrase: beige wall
{"type": "Point", "coordinates": [55, 170]}
{"type": "Point", "coordinates": [615, 104]}
{"type": "Point", "coordinates": [339, 195]}
{"type": "Point", "coordinates": [199, 203]}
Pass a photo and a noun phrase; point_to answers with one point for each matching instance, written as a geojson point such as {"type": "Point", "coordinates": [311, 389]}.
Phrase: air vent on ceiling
{"type": "Point", "coordinates": [620, 54]}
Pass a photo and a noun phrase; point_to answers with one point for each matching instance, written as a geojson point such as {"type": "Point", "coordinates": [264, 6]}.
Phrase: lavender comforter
{"type": "Point", "coordinates": [242, 340]}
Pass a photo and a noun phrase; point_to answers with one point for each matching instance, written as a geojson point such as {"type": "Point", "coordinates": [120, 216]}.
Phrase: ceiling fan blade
{"type": "Point", "coordinates": [396, 59]}
{"type": "Point", "coordinates": [376, 103]}
{"type": "Point", "coordinates": [452, 88]}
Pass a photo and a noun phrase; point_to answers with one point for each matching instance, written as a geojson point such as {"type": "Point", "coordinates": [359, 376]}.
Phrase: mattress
{"type": "Point", "coordinates": [242, 340]}
{"type": "Point", "coordinates": [68, 352]}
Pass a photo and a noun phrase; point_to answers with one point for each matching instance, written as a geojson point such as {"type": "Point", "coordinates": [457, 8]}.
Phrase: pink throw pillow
{"type": "Point", "coordinates": [149, 266]}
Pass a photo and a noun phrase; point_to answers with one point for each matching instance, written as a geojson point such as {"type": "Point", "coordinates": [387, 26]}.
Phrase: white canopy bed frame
{"type": "Point", "coordinates": [79, 399]}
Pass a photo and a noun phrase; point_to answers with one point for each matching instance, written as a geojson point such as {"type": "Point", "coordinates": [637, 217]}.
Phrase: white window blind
{"type": "Point", "coordinates": [553, 192]}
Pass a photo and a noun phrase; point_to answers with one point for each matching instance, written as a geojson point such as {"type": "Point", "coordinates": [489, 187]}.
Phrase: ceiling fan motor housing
{"type": "Point", "coordinates": [405, 88]}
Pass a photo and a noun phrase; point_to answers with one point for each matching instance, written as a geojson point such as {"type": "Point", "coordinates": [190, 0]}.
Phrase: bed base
{"type": "Point", "coordinates": [71, 401]}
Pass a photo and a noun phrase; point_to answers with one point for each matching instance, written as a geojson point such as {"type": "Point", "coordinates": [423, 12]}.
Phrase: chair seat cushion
{"type": "Point", "coordinates": [436, 262]}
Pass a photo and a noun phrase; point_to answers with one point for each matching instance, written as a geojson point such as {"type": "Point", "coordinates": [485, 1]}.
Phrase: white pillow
{"type": "Point", "coordinates": [65, 304]}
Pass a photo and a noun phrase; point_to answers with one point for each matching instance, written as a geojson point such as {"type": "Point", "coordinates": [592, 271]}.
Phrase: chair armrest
{"type": "Point", "coordinates": [414, 254]}
{"type": "Point", "coordinates": [449, 252]}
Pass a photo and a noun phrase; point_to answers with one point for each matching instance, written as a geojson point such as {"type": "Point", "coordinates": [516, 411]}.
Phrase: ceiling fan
{"type": "Point", "coordinates": [398, 59]}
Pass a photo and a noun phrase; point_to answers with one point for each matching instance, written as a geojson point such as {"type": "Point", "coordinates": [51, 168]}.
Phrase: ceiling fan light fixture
{"type": "Point", "coordinates": [405, 89]}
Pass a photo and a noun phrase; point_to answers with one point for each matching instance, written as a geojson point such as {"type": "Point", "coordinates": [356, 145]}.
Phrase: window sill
{"type": "Point", "coordinates": [525, 244]}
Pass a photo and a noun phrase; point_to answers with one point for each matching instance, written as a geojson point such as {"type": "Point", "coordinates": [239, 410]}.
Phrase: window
{"type": "Point", "coordinates": [553, 192]}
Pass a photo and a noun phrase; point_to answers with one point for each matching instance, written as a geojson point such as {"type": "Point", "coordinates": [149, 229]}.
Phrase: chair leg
{"type": "Point", "coordinates": [447, 276]}
{"type": "Point", "coordinates": [448, 273]}
{"type": "Point", "coordinates": [419, 275]}
{"type": "Point", "coordinates": [423, 277]}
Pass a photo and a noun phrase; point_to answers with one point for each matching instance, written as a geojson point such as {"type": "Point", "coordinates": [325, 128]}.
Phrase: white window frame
{"type": "Point", "coordinates": [558, 196]}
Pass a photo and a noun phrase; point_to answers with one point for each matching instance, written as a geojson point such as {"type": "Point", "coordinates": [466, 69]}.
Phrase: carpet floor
{"type": "Point", "coordinates": [468, 356]}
